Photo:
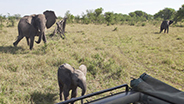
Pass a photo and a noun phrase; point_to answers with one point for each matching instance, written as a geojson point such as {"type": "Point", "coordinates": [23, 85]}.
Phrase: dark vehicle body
{"type": "Point", "coordinates": [144, 90]}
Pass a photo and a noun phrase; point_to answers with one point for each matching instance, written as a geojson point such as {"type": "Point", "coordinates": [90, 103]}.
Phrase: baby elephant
{"type": "Point", "coordinates": [165, 26]}
{"type": "Point", "coordinates": [70, 78]}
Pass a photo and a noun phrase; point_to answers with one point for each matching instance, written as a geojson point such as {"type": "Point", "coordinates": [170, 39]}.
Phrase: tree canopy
{"type": "Point", "coordinates": [165, 14]}
{"type": "Point", "coordinates": [97, 17]}
{"type": "Point", "coordinates": [179, 14]}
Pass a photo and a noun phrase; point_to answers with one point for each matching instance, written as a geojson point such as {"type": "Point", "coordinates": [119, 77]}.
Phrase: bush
{"type": "Point", "coordinates": [115, 29]}
{"type": "Point", "coordinates": [143, 24]}
{"type": "Point", "coordinates": [131, 23]}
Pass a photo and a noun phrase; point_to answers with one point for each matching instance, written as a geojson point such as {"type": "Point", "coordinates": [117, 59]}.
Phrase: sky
{"type": "Point", "coordinates": [77, 7]}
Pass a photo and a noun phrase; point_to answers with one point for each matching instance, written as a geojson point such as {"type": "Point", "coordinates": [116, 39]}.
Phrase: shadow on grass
{"type": "Point", "coordinates": [40, 98]}
{"type": "Point", "coordinates": [156, 32]}
{"type": "Point", "coordinates": [11, 49]}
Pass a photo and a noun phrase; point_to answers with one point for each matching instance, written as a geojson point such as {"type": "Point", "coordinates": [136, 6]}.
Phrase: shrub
{"type": "Point", "coordinates": [115, 29]}
{"type": "Point", "coordinates": [131, 23]}
{"type": "Point", "coordinates": [143, 24]}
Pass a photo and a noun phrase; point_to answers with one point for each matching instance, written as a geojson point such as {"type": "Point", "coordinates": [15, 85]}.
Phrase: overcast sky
{"type": "Point", "coordinates": [77, 7]}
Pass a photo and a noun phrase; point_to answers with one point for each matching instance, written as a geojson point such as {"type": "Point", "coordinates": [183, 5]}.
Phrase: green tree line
{"type": "Point", "coordinates": [97, 17]}
{"type": "Point", "coordinates": [110, 18]}
{"type": "Point", "coordinates": [8, 20]}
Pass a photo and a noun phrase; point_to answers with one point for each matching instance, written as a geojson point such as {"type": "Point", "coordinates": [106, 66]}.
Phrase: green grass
{"type": "Point", "coordinates": [112, 57]}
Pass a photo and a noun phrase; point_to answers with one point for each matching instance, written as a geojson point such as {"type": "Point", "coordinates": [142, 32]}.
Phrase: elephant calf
{"type": "Point", "coordinates": [165, 26]}
{"type": "Point", "coordinates": [70, 78]}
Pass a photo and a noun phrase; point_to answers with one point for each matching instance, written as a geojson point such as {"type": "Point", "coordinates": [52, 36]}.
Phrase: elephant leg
{"type": "Point", "coordinates": [18, 40]}
{"type": "Point", "coordinates": [60, 90]}
{"type": "Point", "coordinates": [74, 93]}
{"type": "Point", "coordinates": [40, 37]}
{"type": "Point", "coordinates": [66, 92]}
{"type": "Point", "coordinates": [161, 29]}
{"type": "Point", "coordinates": [168, 30]}
{"type": "Point", "coordinates": [164, 30]}
{"type": "Point", "coordinates": [27, 38]}
{"type": "Point", "coordinates": [63, 34]}
{"type": "Point", "coordinates": [44, 38]}
{"type": "Point", "coordinates": [32, 42]}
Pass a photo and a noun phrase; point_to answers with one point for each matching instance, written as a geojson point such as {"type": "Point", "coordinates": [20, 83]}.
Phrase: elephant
{"type": "Point", "coordinates": [165, 25]}
{"type": "Point", "coordinates": [70, 78]}
{"type": "Point", "coordinates": [34, 25]}
{"type": "Point", "coordinates": [60, 28]}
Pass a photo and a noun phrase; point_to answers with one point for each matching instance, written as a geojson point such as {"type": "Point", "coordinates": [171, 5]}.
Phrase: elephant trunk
{"type": "Point", "coordinates": [83, 90]}
{"type": "Point", "coordinates": [39, 39]}
{"type": "Point", "coordinates": [82, 85]}
{"type": "Point", "coordinates": [42, 34]}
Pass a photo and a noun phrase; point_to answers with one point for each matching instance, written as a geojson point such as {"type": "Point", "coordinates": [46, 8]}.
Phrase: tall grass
{"type": "Point", "coordinates": [112, 57]}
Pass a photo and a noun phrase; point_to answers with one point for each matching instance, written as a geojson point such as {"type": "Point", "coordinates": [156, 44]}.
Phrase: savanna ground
{"type": "Point", "coordinates": [112, 57]}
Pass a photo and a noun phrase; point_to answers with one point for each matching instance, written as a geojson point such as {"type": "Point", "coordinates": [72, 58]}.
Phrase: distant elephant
{"type": "Point", "coordinates": [70, 78]}
{"type": "Point", "coordinates": [34, 25]}
{"type": "Point", "coordinates": [165, 26]}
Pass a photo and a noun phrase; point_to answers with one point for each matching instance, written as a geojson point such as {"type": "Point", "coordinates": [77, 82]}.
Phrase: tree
{"type": "Point", "coordinates": [17, 16]}
{"type": "Point", "coordinates": [98, 17]}
{"type": "Point", "coordinates": [85, 19]}
{"type": "Point", "coordinates": [139, 13]}
{"type": "Point", "coordinates": [98, 11]}
{"type": "Point", "coordinates": [165, 14]}
{"type": "Point", "coordinates": [69, 16]}
{"type": "Point", "coordinates": [90, 15]}
{"type": "Point", "coordinates": [117, 17]}
{"type": "Point", "coordinates": [77, 19]}
{"type": "Point", "coordinates": [179, 14]}
{"type": "Point", "coordinates": [132, 14]}
{"type": "Point", "coordinates": [11, 20]}
{"type": "Point", "coordinates": [109, 16]}
{"type": "Point", "coordinates": [2, 19]}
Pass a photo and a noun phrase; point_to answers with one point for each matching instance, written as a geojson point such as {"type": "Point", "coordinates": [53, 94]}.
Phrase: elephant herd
{"type": "Point", "coordinates": [68, 77]}
{"type": "Point", "coordinates": [34, 25]}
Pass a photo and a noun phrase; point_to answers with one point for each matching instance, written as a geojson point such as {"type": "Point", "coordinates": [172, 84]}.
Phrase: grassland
{"type": "Point", "coordinates": [112, 57]}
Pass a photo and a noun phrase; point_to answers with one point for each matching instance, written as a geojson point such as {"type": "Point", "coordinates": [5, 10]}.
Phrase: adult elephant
{"type": "Point", "coordinates": [34, 25]}
{"type": "Point", "coordinates": [70, 78]}
{"type": "Point", "coordinates": [165, 26]}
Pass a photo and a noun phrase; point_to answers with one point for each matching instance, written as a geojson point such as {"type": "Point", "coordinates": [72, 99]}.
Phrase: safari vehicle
{"type": "Point", "coordinates": [144, 90]}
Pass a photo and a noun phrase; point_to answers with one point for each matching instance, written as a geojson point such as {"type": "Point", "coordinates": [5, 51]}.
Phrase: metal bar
{"type": "Point", "coordinates": [122, 98]}
{"type": "Point", "coordinates": [95, 93]}
{"type": "Point", "coordinates": [130, 97]}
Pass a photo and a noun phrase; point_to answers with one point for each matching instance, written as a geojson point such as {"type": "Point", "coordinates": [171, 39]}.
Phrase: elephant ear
{"type": "Point", "coordinates": [83, 68]}
{"type": "Point", "coordinates": [50, 17]}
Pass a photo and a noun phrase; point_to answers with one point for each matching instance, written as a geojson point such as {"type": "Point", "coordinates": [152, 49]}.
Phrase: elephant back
{"type": "Point", "coordinates": [26, 19]}
{"type": "Point", "coordinates": [64, 73]}
{"type": "Point", "coordinates": [66, 68]}
{"type": "Point", "coordinates": [26, 24]}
